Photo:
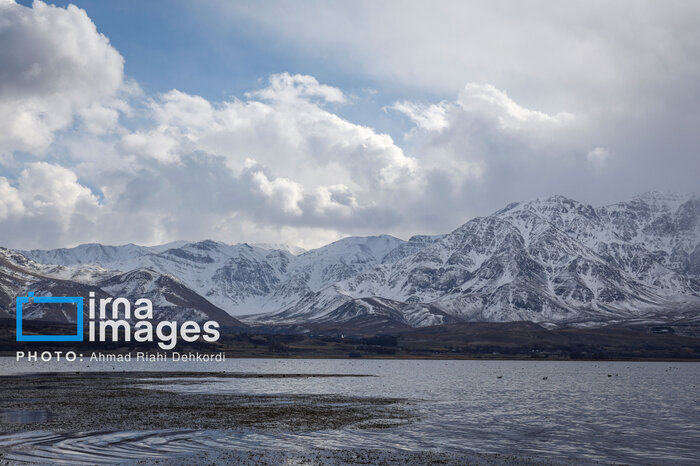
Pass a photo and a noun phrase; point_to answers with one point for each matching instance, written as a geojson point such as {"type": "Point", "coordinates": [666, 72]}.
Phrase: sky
{"type": "Point", "coordinates": [302, 122]}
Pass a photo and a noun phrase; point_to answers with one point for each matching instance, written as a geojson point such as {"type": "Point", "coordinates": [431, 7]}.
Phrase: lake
{"type": "Point", "coordinates": [612, 412]}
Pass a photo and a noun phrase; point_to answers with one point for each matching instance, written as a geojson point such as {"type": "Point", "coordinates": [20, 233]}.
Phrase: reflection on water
{"type": "Point", "coordinates": [23, 416]}
{"type": "Point", "coordinates": [597, 411]}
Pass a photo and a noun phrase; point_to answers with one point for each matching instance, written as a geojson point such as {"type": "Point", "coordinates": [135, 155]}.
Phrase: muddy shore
{"type": "Point", "coordinates": [63, 402]}
{"type": "Point", "coordinates": [43, 415]}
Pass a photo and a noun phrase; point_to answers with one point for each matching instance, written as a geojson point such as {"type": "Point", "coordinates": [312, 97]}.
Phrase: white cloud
{"type": "Point", "coordinates": [10, 202]}
{"type": "Point", "coordinates": [52, 191]}
{"type": "Point", "coordinates": [55, 65]}
{"type": "Point", "coordinates": [285, 87]}
{"type": "Point", "coordinates": [431, 117]}
{"type": "Point", "coordinates": [486, 101]}
{"type": "Point", "coordinates": [195, 169]}
{"type": "Point", "coordinates": [483, 149]}
{"type": "Point", "coordinates": [281, 192]}
{"type": "Point", "coordinates": [483, 101]}
{"type": "Point", "coordinates": [281, 164]}
{"type": "Point", "coordinates": [99, 119]}
{"type": "Point", "coordinates": [190, 113]}
{"type": "Point", "coordinates": [627, 69]}
{"type": "Point", "coordinates": [293, 135]}
{"type": "Point", "coordinates": [554, 53]}
{"type": "Point", "coordinates": [467, 135]}
{"type": "Point", "coordinates": [48, 206]}
{"type": "Point", "coordinates": [160, 144]}
{"type": "Point", "coordinates": [337, 196]}
{"type": "Point", "coordinates": [288, 166]}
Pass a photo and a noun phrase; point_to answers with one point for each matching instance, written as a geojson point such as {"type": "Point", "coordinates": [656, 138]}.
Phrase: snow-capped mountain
{"type": "Point", "coordinates": [94, 253]}
{"type": "Point", "coordinates": [319, 268]}
{"type": "Point", "coordinates": [553, 260]}
{"type": "Point", "coordinates": [241, 278]}
{"type": "Point", "coordinates": [290, 248]}
{"type": "Point", "coordinates": [171, 299]}
{"type": "Point", "coordinates": [229, 276]}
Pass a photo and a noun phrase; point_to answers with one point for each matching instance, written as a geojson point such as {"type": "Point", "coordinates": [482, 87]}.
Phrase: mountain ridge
{"type": "Point", "coordinates": [552, 260]}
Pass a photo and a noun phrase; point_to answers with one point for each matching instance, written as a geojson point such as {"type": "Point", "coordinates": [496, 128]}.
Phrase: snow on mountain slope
{"type": "Point", "coordinates": [19, 275]}
{"type": "Point", "coordinates": [240, 278]}
{"type": "Point", "coordinates": [340, 260]}
{"type": "Point", "coordinates": [171, 299]}
{"type": "Point", "coordinates": [547, 260]}
{"type": "Point", "coordinates": [291, 249]}
{"type": "Point", "coordinates": [410, 247]}
{"type": "Point", "coordinates": [92, 253]}
{"type": "Point", "coordinates": [332, 305]}
{"type": "Point", "coordinates": [319, 268]}
{"type": "Point", "coordinates": [665, 225]}
{"type": "Point", "coordinates": [236, 278]}
{"type": "Point", "coordinates": [245, 279]}
{"type": "Point", "coordinates": [19, 271]}
{"type": "Point", "coordinates": [550, 260]}
{"type": "Point", "coordinates": [343, 259]}
{"type": "Point", "coordinates": [13, 278]}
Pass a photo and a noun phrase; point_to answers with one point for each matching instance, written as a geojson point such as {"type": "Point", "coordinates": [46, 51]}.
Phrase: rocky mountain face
{"type": "Point", "coordinates": [171, 299]}
{"type": "Point", "coordinates": [554, 261]}
{"type": "Point", "coordinates": [240, 278]}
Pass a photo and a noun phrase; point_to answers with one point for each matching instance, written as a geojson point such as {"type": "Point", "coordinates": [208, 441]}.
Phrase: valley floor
{"type": "Point", "coordinates": [482, 340]}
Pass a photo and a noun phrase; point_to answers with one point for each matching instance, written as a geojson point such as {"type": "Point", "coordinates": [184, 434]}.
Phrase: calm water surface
{"type": "Point", "coordinates": [593, 411]}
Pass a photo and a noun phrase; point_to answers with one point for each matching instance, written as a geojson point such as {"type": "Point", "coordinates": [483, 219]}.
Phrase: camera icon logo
{"type": "Point", "coordinates": [77, 300]}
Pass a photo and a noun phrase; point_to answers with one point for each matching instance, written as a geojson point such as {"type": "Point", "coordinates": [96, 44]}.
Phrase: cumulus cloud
{"type": "Point", "coordinates": [48, 205]}
{"type": "Point", "coordinates": [281, 192]}
{"type": "Point", "coordinates": [53, 191]}
{"type": "Point", "coordinates": [99, 119]}
{"type": "Point", "coordinates": [159, 144]}
{"type": "Point", "coordinates": [286, 87]}
{"type": "Point", "coordinates": [55, 66]}
{"type": "Point", "coordinates": [280, 163]}
{"type": "Point", "coordinates": [282, 127]}
{"type": "Point", "coordinates": [626, 69]}
{"type": "Point", "coordinates": [10, 202]}
{"type": "Point", "coordinates": [483, 149]}
{"type": "Point", "coordinates": [290, 162]}
{"type": "Point", "coordinates": [486, 101]}
{"type": "Point", "coordinates": [432, 117]}
{"type": "Point", "coordinates": [290, 165]}
{"type": "Point", "coordinates": [193, 168]}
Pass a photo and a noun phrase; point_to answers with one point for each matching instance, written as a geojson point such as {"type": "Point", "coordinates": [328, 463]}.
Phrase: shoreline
{"type": "Point", "coordinates": [132, 400]}
{"type": "Point", "coordinates": [217, 417]}
{"type": "Point", "coordinates": [70, 418]}
{"type": "Point", "coordinates": [407, 357]}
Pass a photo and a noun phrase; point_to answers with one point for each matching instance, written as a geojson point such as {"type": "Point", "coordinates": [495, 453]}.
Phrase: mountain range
{"type": "Point", "coordinates": [554, 261]}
